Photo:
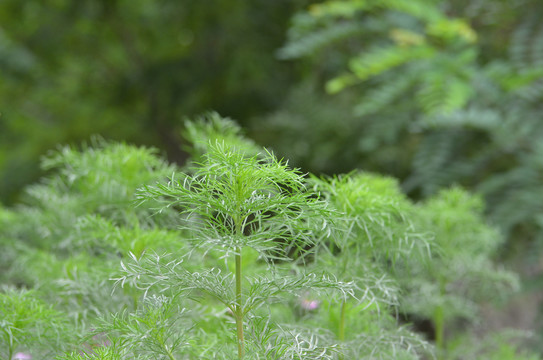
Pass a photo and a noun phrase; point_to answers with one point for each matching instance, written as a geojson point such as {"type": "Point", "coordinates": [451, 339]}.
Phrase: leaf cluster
{"type": "Point", "coordinates": [232, 200]}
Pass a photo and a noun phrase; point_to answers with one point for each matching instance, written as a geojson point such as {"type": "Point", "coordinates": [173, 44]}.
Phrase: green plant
{"type": "Point", "coordinates": [499, 345]}
{"type": "Point", "coordinates": [460, 276]}
{"type": "Point", "coordinates": [378, 232]}
{"type": "Point", "coordinates": [437, 98]}
{"type": "Point", "coordinates": [434, 52]}
{"type": "Point", "coordinates": [26, 321]}
{"type": "Point", "coordinates": [431, 260]}
{"type": "Point", "coordinates": [241, 256]}
{"type": "Point", "coordinates": [232, 203]}
{"type": "Point", "coordinates": [204, 131]}
{"type": "Point", "coordinates": [66, 240]}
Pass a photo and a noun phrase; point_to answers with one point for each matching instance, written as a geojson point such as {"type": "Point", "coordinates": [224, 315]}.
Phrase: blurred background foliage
{"type": "Point", "coordinates": [131, 70]}
{"type": "Point", "coordinates": [432, 92]}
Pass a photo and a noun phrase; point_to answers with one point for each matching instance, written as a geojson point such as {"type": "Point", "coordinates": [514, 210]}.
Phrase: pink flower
{"type": "Point", "coordinates": [22, 356]}
{"type": "Point", "coordinates": [309, 305]}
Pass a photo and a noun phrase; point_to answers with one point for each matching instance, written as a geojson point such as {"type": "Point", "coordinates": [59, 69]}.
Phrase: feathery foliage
{"type": "Point", "coordinates": [26, 321]}
{"type": "Point", "coordinates": [232, 202]}
{"type": "Point", "coordinates": [239, 256]}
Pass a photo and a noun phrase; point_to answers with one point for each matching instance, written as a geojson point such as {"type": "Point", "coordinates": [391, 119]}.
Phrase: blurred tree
{"type": "Point", "coordinates": [130, 70]}
{"type": "Point", "coordinates": [434, 92]}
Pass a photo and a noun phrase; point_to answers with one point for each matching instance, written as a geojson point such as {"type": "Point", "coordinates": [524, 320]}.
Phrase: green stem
{"type": "Point", "coordinates": [341, 330]}
{"type": "Point", "coordinates": [239, 308]}
{"type": "Point", "coordinates": [439, 322]}
{"type": "Point", "coordinates": [168, 352]}
{"type": "Point", "coordinates": [440, 325]}
{"type": "Point", "coordinates": [170, 355]}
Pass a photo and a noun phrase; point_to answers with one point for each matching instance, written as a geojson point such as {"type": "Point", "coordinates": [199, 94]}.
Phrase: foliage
{"type": "Point", "coordinates": [68, 237]}
{"type": "Point", "coordinates": [377, 233]}
{"type": "Point", "coordinates": [439, 93]}
{"type": "Point", "coordinates": [28, 322]}
{"type": "Point", "coordinates": [433, 92]}
{"type": "Point", "coordinates": [459, 276]}
{"type": "Point", "coordinates": [234, 202]}
{"type": "Point", "coordinates": [240, 256]}
{"type": "Point", "coordinates": [206, 130]}
{"type": "Point", "coordinates": [433, 49]}
{"type": "Point", "coordinates": [130, 71]}
{"type": "Point", "coordinates": [495, 346]}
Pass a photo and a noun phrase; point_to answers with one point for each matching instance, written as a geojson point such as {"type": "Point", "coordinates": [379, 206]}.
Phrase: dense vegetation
{"type": "Point", "coordinates": [441, 97]}
{"type": "Point", "coordinates": [117, 254]}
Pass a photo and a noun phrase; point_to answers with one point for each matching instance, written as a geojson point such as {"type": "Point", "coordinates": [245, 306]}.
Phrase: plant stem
{"type": "Point", "coordinates": [439, 322]}
{"type": "Point", "coordinates": [170, 355]}
{"type": "Point", "coordinates": [239, 308]}
{"type": "Point", "coordinates": [341, 330]}
{"type": "Point", "coordinates": [168, 351]}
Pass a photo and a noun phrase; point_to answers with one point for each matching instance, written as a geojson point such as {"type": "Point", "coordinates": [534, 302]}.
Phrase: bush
{"type": "Point", "coordinates": [240, 256]}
